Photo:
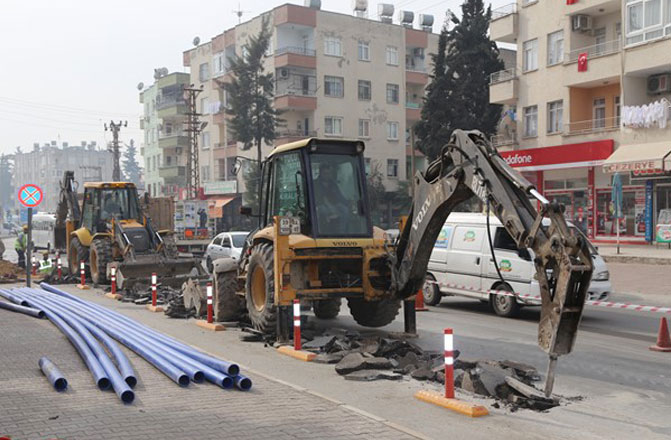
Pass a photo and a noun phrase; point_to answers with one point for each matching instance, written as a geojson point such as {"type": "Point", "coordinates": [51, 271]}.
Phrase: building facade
{"type": "Point", "coordinates": [165, 143]}
{"type": "Point", "coordinates": [591, 90]}
{"type": "Point", "coordinates": [336, 75]}
{"type": "Point", "coordinates": [45, 165]}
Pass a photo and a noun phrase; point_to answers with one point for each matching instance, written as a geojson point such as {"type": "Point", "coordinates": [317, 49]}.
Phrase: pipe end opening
{"type": "Point", "coordinates": [60, 384]}
{"type": "Point", "coordinates": [127, 396]}
{"type": "Point", "coordinates": [41, 314]}
{"type": "Point", "coordinates": [245, 384]}
{"type": "Point", "coordinates": [198, 377]}
{"type": "Point", "coordinates": [233, 370]}
{"type": "Point", "coordinates": [104, 384]}
{"type": "Point", "coordinates": [183, 380]}
{"type": "Point", "coordinates": [227, 383]}
{"type": "Point", "coordinates": [131, 381]}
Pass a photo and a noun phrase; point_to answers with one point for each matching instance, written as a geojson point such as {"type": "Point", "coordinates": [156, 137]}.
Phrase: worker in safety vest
{"type": "Point", "coordinates": [20, 246]}
{"type": "Point", "coordinates": [46, 266]}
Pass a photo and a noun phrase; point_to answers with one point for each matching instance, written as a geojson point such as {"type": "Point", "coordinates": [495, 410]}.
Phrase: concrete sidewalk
{"type": "Point", "coordinates": [643, 254]}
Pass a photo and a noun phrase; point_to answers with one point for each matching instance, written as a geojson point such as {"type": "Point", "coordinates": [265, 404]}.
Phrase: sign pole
{"type": "Point", "coordinates": [29, 247]}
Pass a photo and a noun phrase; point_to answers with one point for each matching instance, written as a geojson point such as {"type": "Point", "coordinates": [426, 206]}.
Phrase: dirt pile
{"type": "Point", "coordinates": [10, 272]}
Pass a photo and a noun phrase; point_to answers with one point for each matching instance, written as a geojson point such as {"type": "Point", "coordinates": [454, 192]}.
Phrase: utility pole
{"type": "Point", "coordinates": [114, 128]}
{"type": "Point", "coordinates": [193, 128]}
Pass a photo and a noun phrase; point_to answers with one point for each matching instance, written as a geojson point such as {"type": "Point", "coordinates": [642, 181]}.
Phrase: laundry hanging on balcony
{"type": "Point", "coordinates": [655, 114]}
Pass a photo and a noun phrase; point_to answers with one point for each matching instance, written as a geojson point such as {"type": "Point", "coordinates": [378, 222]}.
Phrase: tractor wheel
{"type": "Point", "coordinates": [326, 308]}
{"type": "Point", "coordinates": [170, 247]}
{"type": "Point", "coordinates": [373, 313]}
{"type": "Point", "coordinates": [76, 254]}
{"type": "Point", "coordinates": [100, 253]}
{"type": "Point", "coordinates": [260, 289]}
{"type": "Point", "coordinates": [228, 306]}
{"type": "Point", "coordinates": [504, 305]}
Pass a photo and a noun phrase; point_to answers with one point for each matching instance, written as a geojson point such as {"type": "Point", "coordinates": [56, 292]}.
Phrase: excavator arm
{"type": "Point", "coordinates": [469, 165]}
{"type": "Point", "coordinates": [68, 208]}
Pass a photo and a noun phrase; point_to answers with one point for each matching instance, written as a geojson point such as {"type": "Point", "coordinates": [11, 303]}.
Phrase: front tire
{"type": "Point", "coordinates": [326, 308]}
{"type": "Point", "coordinates": [100, 253]}
{"type": "Point", "coordinates": [373, 313]}
{"type": "Point", "coordinates": [209, 265]}
{"type": "Point", "coordinates": [228, 306]}
{"type": "Point", "coordinates": [431, 291]}
{"type": "Point", "coordinates": [504, 305]}
{"type": "Point", "coordinates": [76, 254]}
{"type": "Point", "coordinates": [260, 289]}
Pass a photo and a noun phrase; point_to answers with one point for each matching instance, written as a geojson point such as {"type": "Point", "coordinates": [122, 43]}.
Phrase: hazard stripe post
{"type": "Point", "coordinates": [209, 324]}
{"type": "Point", "coordinates": [33, 265]}
{"type": "Point", "coordinates": [153, 307]}
{"type": "Point", "coordinates": [209, 303]}
{"type": "Point", "coordinates": [82, 274]}
{"type": "Point", "coordinates": [449, 363]}
{"type": "Point", "coordinates": [297, 325]}
{"type": "Point", "coordinates": [113, 280]}
{"type": "Point", "coordinates": [296, 351]}
{"type": "Point", "coordinates": [59, 268]}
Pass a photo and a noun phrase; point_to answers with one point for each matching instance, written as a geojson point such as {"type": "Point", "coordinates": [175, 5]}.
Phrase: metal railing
{"type": "Point", "coordinates": [502, 75]}
{"type": "Point", "coordinates": [501, 140]}
{"type": "Point", "coordinates": [170, 101]}
{"type": "Point", "coordinates": [410, 67]}
{"type": "Point", "coordinates": [591, 126]}
{"type": "Point", "coordinates": [504, 11]}
{"type": "Point", "coordinates": [296, 50]}
{"type": "Point", "coordinates": [595, 50]}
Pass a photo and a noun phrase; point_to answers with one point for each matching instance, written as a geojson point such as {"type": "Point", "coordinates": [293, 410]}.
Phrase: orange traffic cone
{"type": "Point", "coordinates": [419, 302]}
{"type": "Point", "coordinates": [663, 339]}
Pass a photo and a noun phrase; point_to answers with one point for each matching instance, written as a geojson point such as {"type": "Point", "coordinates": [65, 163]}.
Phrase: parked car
{"type": "Point", "coordinates": [226, 244]}
{"type": "Point", "coordinates": [462, 261]}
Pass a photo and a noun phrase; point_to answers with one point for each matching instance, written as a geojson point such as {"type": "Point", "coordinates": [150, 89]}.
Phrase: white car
{"type": "Point", "coordinates": [226, 244]}
{"type": "Point", "coordinates": [461, 264]}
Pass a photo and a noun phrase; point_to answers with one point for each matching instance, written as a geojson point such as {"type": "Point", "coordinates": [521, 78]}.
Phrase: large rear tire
{"type": "Point", "coordinates": [76, 254]}
{"type": "Point", "coordinates": [260, 289]}
{"type": "Point", "coordinates": [373, 313]}
{"type": "Point", "coordinates": [228, 306]}
{"type": "Point", "coordinates": [326, 308]}
{"type": "Point", "coordinates": [100, 253]}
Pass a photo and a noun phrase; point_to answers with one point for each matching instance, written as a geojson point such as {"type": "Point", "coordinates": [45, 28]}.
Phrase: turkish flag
{"type": "Point", "coordinates": [570, 2]}
{"type": "Point", "coordinates": [582, 62]}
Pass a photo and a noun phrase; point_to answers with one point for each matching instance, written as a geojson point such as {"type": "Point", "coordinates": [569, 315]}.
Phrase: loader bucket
{"type": "Point", "coordinates": [169, 271]}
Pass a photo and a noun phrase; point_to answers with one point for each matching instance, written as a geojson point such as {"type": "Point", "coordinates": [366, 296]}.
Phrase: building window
{"type": "Point", "coordinates": [392, 167]}
{"type": "Point", "coordinates": [599, 108]}
{"type": "Point", "coordinates": [334, 86]}
{"type": "Point", "coordinates": [204, 72]}
{"type": "Point", "coordinates": [364, 51]}
{"type": "Point", "coordinates": [617, 111]}
{"type": "Point", "coordinates": [392, 93]}
{"type": "Point", "coordinates": [219, 63]}
{"type": "Point", "coordinates": [531, 121]}
{"type": "Point", "coordinates": [332, 46]}
{"type": "Point", "coordinates": [333, 125]}
{"type": "Point", "coordinates": [204, 104]}
{"type": "Point", "coordinates": [555, 116]}
{"type": "Point", "coordinates": [364, 128]}
{"type": "Point", "coordinates": [204, 173]}
{"type": "Point", "coordinates": [205, 140]}
{"type": "Point", "coordinates": [392, 131]}
{"type": "Point", "coordinates": [391, 55]}
{"type": "Point", "coordinates": [530, 53]}
{"type": "Point", "coordinates": [364, 90]}
{"type": "Point", "coordinates": [555, 47]}
{"type": "Point", "coordinates": [647, 20]}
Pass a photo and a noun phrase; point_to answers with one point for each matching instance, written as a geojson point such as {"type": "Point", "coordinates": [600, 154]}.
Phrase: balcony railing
{"type": "Point", "coordinates": [502, 140]}
{"type": "Point", "coordinates": [504, 11]}
{"type": "Point", "coordinates": [409, 104]}
{"type": "Point", "coordinates": [415, 67]}
{"type": "Point", "coordinates": [591, 126]}
{"type": "Point", "coordinates": [295, 50]}
{"type": "Point", "coordinates": [502, 75]}
{"type": "Point", "coordinates": [595, 50]}
{"type": "Point", "coordinates": [295, 133]}
{"type": "Point", "coordinates": [165, 102]}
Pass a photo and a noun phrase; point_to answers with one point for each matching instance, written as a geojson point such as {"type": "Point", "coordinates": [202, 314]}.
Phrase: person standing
{"type": "Point", "coordinates": [20, 246]}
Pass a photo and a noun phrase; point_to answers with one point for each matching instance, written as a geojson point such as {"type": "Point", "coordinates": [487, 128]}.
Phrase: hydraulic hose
{"type": "Point", "coordinates": [118, 383]}
{"type": "Point", "coordinates": [229, 368]}
{"type": "Point", "coordinates": [176, 374]}
{"type": "Point", "coordinates": [37, 313]}
{"type": "Point", "coordinates": [54, 375]}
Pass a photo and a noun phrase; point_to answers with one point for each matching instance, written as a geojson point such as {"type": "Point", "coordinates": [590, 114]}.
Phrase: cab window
{"type": "Point", "coordinates": [288, 187]}
{"type": "Point", "coordinates": [503, 240]}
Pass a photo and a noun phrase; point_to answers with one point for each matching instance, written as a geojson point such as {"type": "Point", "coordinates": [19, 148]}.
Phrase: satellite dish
{"type": "Point", "coordinates": [237, 166]}
{"type": "Point", "coordinates": [164, 71]}
{"type": "Point", "coordinates": [140, 86]}
{"type": "Point", "coordinates": [196, 41]}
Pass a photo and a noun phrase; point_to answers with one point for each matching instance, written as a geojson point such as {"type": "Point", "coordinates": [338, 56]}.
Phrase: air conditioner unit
{"type": "Point", "coordinates": [284, 73]}
{"type": "Point", "coordinates": [581, 22]}
{"type": "Point", "coordinates": [658, 84]}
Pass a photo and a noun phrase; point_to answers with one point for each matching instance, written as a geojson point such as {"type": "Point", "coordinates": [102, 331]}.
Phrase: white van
{"type": "Point", "coordinates": [462, 265]}
{"type": "Point", "coordinates": [43, 230]}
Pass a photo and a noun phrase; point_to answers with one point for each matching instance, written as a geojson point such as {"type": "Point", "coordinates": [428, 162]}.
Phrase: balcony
{"type": "Point", "coordinates": [296, 56]}
{"type": "Point", "coordinates": [503, 87]}
{"type": "Point", "coordinates": [416, 77]}
{"type": "Point", "coordinates": [593, 7]}
{"type": "Point", "coordinates": [503, 26]}
{"type": "Point", "coordinates": [296, 102]}
{"type": "Point", "coordinates": [286, 136]}
{"type": "Point", "coordinates": [504, 140]}
{"type": "Point", "coordinates": [173, 141]}
{"type": "Point", "coordinates": [173, 174]}
{"type": "Point", "coordinates": [591, 126]}
{"type": "Point", "coordinates": [603, 64]}
{"type": "Point", "coordinates": [413, 111]}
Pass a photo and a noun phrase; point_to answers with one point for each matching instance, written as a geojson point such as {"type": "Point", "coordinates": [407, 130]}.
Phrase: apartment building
{"type": "Point", "coordinates": [44, 166]}
{"type": "Point", "coordinates": [165, 143]}
{"type": "Point", "coordinates": [336, 75]}
{"type": "Point", "coordinates": [591, 90]}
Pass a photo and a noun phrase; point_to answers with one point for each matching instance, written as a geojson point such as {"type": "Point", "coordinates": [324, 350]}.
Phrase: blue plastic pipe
{"type": "Point", "coordinates": [54, 375]}
{"type": "Point", "coordinates": [242, 382]}
{"type": "Point", "coordinates": [8, 295]}
{"type": "Point", "coordinates": [22, 309]}
{"type": "Point", "coordinates": [118, 383]}
{"type": "Point", "coordinates": [229, 368]}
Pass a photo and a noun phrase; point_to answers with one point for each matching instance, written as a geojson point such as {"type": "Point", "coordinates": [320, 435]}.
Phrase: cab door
{"type": "Point", "coordinates": [465, 258]}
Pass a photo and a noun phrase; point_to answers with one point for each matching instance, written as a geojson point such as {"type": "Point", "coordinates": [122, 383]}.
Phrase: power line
{"type": "Point", "coordinates": [61, 121]}
{"type": "Point", "coordinates": [57, 107]}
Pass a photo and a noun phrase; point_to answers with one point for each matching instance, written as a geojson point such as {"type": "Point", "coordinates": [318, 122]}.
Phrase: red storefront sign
{"type": "Point", "coordinates": [562, 156]}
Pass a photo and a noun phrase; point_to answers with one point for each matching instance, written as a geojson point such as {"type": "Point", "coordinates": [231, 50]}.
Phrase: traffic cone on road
{"type": "Point", "coordinates": [663, 339]}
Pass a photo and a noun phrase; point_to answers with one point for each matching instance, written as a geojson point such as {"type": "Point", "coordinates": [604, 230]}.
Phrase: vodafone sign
{"type": "Point", "coordinates": [561, 156]}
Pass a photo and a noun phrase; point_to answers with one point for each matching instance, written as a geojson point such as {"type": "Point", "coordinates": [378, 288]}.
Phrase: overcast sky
{"type": "Point", "coordinates": [68, 66]}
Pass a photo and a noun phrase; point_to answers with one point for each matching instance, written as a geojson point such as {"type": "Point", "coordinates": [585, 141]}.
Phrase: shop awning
{"type": "Point", "coordinates": [639, 157]}
{"type": "Point", "coordinates": [214, 206]}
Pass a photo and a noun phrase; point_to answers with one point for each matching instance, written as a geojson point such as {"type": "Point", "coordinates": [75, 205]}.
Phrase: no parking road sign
{"type": "Point", "coordinates": [30, 195]}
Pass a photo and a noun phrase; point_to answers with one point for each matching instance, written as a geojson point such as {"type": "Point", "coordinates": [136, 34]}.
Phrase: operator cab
{"type": "Point", "coordinates": [104, 202]}
{"type": "Point", "coordinates": [323, 183]}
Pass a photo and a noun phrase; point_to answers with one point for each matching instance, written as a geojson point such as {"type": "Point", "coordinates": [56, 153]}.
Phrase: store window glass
{"type": "Point", "coordinates": [633, 209]}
